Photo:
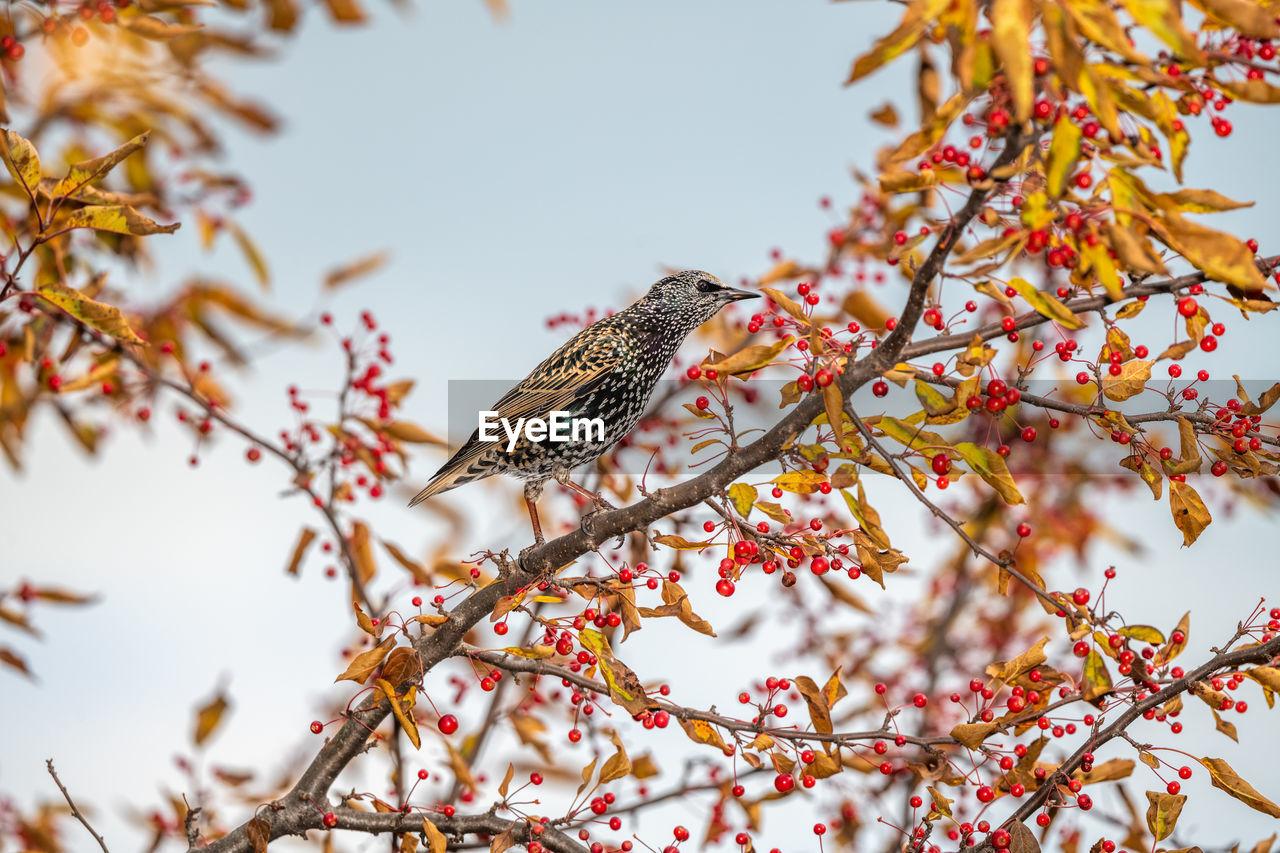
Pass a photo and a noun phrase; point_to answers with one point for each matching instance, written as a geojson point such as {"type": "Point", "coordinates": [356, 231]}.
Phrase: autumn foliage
{"type": "Point", "coordinates": [976, 338]}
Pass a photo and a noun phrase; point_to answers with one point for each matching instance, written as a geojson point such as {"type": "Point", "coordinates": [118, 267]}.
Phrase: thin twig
{"type": "Point", "coordinates": [75, 811]}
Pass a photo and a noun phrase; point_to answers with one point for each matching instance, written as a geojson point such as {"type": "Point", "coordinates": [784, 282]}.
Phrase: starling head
{"type": "Point", "coordinates": [688, 298]}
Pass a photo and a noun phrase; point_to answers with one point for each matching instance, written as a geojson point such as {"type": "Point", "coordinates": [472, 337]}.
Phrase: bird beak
{"type": "Point", "coordinates": [735, 295]}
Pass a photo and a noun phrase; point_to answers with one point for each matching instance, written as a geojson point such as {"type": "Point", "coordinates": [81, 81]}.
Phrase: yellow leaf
{"type": "Point", "coordinates": [743, 496]}
{"type": "Point", "coordinates": [209, 716]}
{"type": "Point", "coordinates": [1046, 304]}
{"type": "Point", "coordinates": [1249, 18]}
{"type": "Point", "coordinates": [898, 42]}
{"type": "Point", "coordinates": [87, 171]}
{"type": "Point", "coordinates": [398, 707]}
{"type": "Point", "coordinates": [1010, 670]}
{"type": "Point", "coordinates": [1131, 380]}
{"type": "Point", "coordinates": [117, 218]}
{"type": "Point", "coordinates": [1011, 40]}
{"type": "Point", "coordinates": [1064, 150]}
{"type": "Point", "coordinates": [1253, 91]}
{"type": "Point", "coordinates": [617, 765]}
{"type": "Point", "coordinates": [1164, 19]}
{"type": "Point", "coordinates": [1228, 780]}
{"type": "Point", "coordinates": [1218, 254]}
{"type": "Point", "coordinates": [1097, 681]}
{"type": "Point", "coordinates": [750, 359]}
{"type": "Point", "coordinates": [803, 481]}
{"type": "Point", "coordinates": [1162, 813]}
{"type": "Point", "coordinates": [991, 467]}
{"type": "Point", "coordinates": [1171, 650]}
{"type": "Point", "coordinates": [904, 181]}
{"type": "Point", "coordinates": [785, 303]}
{"type": "Point", "coordinates": [1203, 201]}
{"type": "Point", "coordinates": [1189, 512]}
{"type": "Point", "coordinates": [701, 731]}
{"type": "Point", "coordinates": [680, 543]}
{"type": "Point", "coordinates": [362, 551]}
{"type": "Point", "coordinates": [864, 308]}
{"type": "Point", "coordinates": [435, 838]}
{"type": "Point", "coordinates": [98, 315]}
{"type": "Point", "coordinates": [1142, 633]}
{"type": "Point", "coordinates": [625, 688]}
{"type": "Point", "coordinates": [251, 253]}
{"type": "Point", "coordinates": [151, 27]}
{"type": "Point", "coordinates": [21, 160]}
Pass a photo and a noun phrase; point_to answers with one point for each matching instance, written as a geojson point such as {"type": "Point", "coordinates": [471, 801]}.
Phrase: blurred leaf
{"type": "Point", "coordinates": [209, 717]}
{"type": "Point", "coordinates": [251, 253]}
{"type": "Point", "coordinates": [98, 315]}
{"type": "Point", "coordinates": [10, 658]}
{"type": "Point", "coordinates": [305, 538]}
{"type": "Point", "coordinates": [151, 27]}
{"type": "Point", "coordinates": [1010, 38]}
{"type": "Point", "coordinates": [914, 23]}
{"type": "Point", "coordinates": [1218, 254]}
{"type": "Point", "coordinates": [1064, 150]}
{"type": "Point", "coordinates": [345, 11]}
{"type": "Point", "coordinates": [355, 269]}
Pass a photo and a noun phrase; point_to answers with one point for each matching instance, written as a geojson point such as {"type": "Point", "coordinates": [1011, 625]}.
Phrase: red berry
{"type": "Point", "coordinates": [1187, 306]}
{"type": "Point", "coordinates": [330, 820]}
{"type": "Point", "coordinates": [448, 724]}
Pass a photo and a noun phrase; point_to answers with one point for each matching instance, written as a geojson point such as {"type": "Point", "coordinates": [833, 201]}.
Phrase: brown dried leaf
{"type": "Point", "coordinates": [1224, 777]}
{"type": "Point", "coordinates": [305, 538]}
{"type": "Point", "coordinates": [363, 664]}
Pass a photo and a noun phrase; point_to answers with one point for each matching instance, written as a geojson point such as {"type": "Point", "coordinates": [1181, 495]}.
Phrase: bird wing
{"type": "Point", "coordinates": [570, 373]}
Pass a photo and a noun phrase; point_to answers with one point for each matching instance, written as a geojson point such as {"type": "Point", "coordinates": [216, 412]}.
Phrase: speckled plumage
{"type": "Point", "coordinates": [608, 370]}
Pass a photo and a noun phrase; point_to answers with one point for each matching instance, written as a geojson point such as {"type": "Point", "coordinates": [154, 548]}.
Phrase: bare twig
{"type": "Point", "coordinates": [75, 812]}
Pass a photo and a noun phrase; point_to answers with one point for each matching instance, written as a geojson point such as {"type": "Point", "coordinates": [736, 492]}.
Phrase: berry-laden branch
{"type": "Point", "coordinates": [1263, 653]}
{"type": "Point", "coordinates": [295, 814]}
{"type": "Point", "coordinates": [523, 832]}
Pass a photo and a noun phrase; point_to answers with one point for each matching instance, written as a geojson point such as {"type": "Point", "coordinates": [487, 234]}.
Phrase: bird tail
{"type": "Point", "coordinates": [462, 468]}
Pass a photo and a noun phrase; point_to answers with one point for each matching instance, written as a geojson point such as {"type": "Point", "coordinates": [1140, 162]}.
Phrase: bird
{"type": "Point", "coordinates": [607, 371]}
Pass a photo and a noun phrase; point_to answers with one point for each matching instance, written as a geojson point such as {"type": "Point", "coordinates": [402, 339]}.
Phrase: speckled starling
{"type": "Point", "coordinates": [606, 371]}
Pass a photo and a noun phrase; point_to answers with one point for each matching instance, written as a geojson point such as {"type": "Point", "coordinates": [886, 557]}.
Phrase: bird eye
{"type": "Point", "coordinates": [705, 286]}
